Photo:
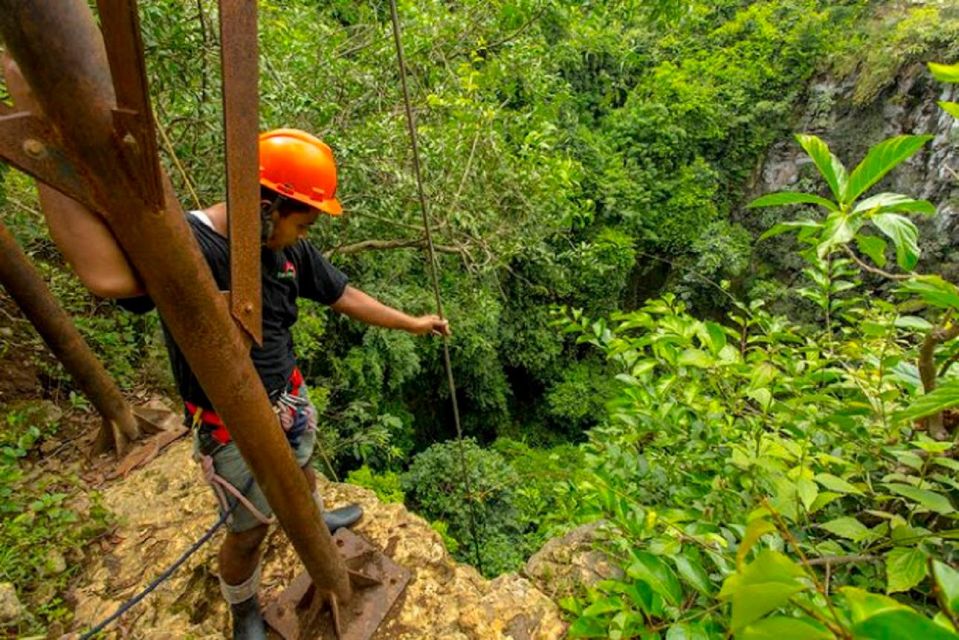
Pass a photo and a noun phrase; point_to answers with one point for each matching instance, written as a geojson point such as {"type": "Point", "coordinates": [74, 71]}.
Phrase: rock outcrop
{"type": "Point", "coordinates": [165, 507]}
{"type": "Point", "coordinates": [906, 106]}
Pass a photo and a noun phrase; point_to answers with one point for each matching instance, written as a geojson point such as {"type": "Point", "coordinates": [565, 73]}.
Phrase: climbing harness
{"type": "Point", "coordinates": [434, 273]}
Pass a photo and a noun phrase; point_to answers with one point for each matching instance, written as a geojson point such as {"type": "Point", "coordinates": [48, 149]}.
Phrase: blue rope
{"type": "Point", "coordinates": [129, 604]}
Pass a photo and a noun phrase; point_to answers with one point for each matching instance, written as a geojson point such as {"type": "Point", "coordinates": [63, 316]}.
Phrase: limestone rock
{"type": "Point", "coordinates": [164, 507]}
{"type": "Point", "coordinates": [11, 611]}
{"type": "Point", "coordinates": [569, 562]}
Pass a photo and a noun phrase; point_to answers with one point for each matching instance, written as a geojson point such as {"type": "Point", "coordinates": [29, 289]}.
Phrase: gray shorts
{"type": "Point", "coordinates": [231, 466]}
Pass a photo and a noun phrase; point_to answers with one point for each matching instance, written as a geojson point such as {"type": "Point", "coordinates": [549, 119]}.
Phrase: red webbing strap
{"type": "Point", "coordinates": [211, 419]}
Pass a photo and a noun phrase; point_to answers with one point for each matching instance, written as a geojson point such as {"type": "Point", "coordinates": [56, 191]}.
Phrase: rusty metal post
{"type": "Point", "coordinates": [26, 286]}
{"type": "Point", "coordinates": [62, 56]}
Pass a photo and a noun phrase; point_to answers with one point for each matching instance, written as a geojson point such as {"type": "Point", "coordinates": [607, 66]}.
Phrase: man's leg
{"type": "Point", "coordinates": [240, 554]}
{"type": "Point", "coordinates": [335, 518]}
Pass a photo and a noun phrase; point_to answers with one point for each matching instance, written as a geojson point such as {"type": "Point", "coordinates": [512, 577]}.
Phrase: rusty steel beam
{"type": "Point", "coordinates": [26, 286]}
{"type": "Point", "coordinates": [61, 53]}
{"type": "Point", "coordinates": [241, 125]}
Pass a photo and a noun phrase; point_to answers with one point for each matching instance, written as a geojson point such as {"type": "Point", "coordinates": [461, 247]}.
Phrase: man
{"type": "Point", "coordinates": [298, 185]}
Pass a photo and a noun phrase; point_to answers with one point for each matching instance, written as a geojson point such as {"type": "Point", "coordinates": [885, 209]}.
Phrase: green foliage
{"type": "Point", "coordinates": [42, 533]}
{"type": "Point", "coordinates": [760, 450]}
{"type": "Point", "coordinates": [435, 487]}
{"type": "Point", "coordinates": [385, 485]}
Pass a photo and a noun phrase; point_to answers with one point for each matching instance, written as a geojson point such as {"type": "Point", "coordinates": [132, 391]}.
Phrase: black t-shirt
{"type": "Point", "coordinates": [299, 270]}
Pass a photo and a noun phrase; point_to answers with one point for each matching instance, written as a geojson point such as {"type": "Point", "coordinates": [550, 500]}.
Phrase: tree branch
{"type": "Point", "coordinates": [832, 560]}
{"type": "Point", "coordinates": [382, 245]}
{"type": "Point", "coordinates": [872, 269]}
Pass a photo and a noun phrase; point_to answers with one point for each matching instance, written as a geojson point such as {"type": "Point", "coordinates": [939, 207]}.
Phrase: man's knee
{"type": "Point", "coordinates": [245, 542]}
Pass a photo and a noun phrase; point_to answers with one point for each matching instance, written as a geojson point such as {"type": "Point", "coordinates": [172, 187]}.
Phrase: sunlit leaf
{"type": "Point", "coordinates": [928, 499]}
{"type": "Point", "coordinates": [952, 108]}
{"type": "Point", "coordinates": [944, 72]}
{"type": "Point", "coordinates": [765, 584]}
{"type": "Point", "coordinates": [831, 169]}
{"type": "Point", "coordinates": [756, 529]}
{"type": "Point", "coordinates": [899, 625]}
{"type": "Point", "coordinates": [835, 483]}
{"type": "Point", "coordinates": [783, 628]}
{"type": "Point", "coordinates": [880, 160]}
{"type": "Point", "coordinates": [904, 236]}
{"type": "Point", "coordinates": [943, 397]}
{"type": "Point", "coordinates": [847, 527]}
{"type": "Point", "coordinates": [783, 227]}
{"type": "Point", "coordinates": [894, 202]}
{"type": "Point", "coordinates": [933, 290]}
{"type": "Point", "coordinates": [905, 568]}
{"type": "Point", "coordinates": [947, 581]}
{"type": "Point", "coordinates": [791, 197]}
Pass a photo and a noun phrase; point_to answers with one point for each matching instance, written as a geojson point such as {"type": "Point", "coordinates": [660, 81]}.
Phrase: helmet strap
{"type": "Point", "coordinates": [267, 208]}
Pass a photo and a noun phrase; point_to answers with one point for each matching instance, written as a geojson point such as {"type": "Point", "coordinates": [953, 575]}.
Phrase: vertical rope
{"type": "Point", "coordinates": [434, 273]}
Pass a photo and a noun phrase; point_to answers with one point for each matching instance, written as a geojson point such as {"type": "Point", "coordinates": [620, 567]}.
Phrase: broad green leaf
{"type": "Point", "coordinates": [913, 322]}
{"type": "Point", "coordinates": [905, 568]}
{"type": "Point", "coordinates": [807, 491]}
{"type": "Point", "coordinates": [696, 358]}
{"type": "Point", "coordinates": [831, 169]}
{"type": "Point", "coordinates": [864, 605]}
{"type": "Point", "coordinates": [756, 529]}
{"type": "Point", "coordinates": [765, 584]}
{"type": "Point", "coordinates": [838, 228]}
{"type": "Point", "coordinates": [901, 624]}
{"type": "Point", "coordinates": [822, 500]}
{"type": "Point", "coordinates": [952, 108]}
{"type": "Point", "coordinates": [904, 236]}
{"type": "Point", "coordinates": [894, 202]}
{"type": "Point", "coordinates": [847, 527]}
{"type": "Point", "coordinates": [933, 290]}
{"type": "Point", "coordinates": [783, 628]}
{"type": "Point", "coordinates": [693, 574]}
{"type": "Point", "coordinates": [945, 72]}
{"type": "Point", "coordinates": [928, 499]}
{"type": "Point", "coordinates": [687, 631]}
{"type": "Point", "coordinates": [783, 227]}
{"type": "Point", "coordinates": [944, 396]}
{"type": "Point", "coordinates": [835, 483]}
{"type": "Point", "coordinates": [654, 572]}
{"type": "Point", "coordinates": [791, 197]}
{"type": "Point", "coordinates": [603, 605]}
{"type": "Point", "coordinates": [585, 627]}
{"type": "Point", "coordinates": [874, 247]}
{"type": "Point", "coordinates": [880, 160]}
{"type": "Point", "coordinates": [717, 337]}
{"type": "Point", "coordinates": [947, 581]}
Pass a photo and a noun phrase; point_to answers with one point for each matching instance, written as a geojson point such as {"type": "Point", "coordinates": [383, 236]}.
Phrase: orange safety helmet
{"type": "Point", "coordinates": [301, 167]}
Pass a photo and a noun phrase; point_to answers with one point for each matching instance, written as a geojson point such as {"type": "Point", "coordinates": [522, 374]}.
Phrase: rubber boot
{"type": "Point", "coordinates": [342, 517]}
{"type": "Point", "coordinates": [248, 621]}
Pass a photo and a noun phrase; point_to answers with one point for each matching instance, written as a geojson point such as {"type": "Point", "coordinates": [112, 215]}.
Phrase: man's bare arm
{"type": "Point", "coordinates": [365, 308]}
{"type": "Point", "coordinates": [81, 235]}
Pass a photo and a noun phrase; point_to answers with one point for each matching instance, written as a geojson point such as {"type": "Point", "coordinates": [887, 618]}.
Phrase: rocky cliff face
{"type": "Point", "coordinates": [906, 106]}
{"type": "Point", "coordinates": [164, 507]}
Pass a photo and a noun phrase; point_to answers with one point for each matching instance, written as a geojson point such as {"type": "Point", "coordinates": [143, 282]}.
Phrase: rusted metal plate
{"type": "Point", "coordinates": [120, 25]}
{"type": "Point", "coordinates": [241, 124]}
{"type": "Point", "coordinates": [28, 143]}
{"type": "Point", "coordinates": [377, 583]}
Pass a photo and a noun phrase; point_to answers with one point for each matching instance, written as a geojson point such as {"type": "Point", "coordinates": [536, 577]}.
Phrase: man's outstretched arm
{"type": "Point", "coordinates": [81, 235]}
{"type": "Point", "coordinates": [365, 308]}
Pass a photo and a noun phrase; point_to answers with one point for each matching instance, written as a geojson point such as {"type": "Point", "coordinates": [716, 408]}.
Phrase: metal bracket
{"type": "Point", "coordinates": [30, 144]}
{"type": "Point", "coordinates": [377, 581]}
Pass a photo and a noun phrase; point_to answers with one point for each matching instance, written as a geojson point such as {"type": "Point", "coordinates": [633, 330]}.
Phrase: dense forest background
{"type": "Point", "coordinates": [624, 345]}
